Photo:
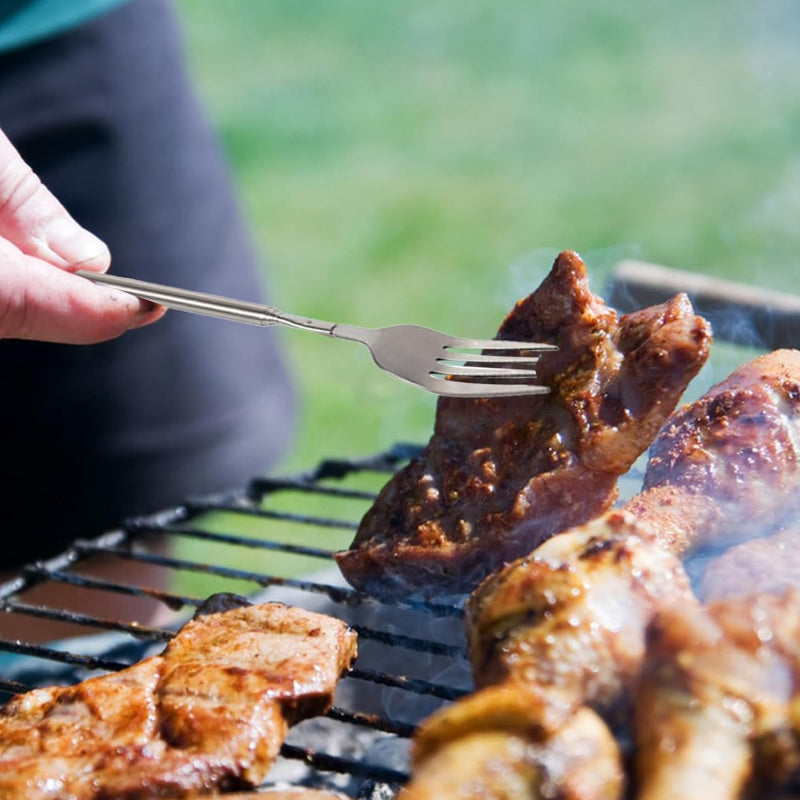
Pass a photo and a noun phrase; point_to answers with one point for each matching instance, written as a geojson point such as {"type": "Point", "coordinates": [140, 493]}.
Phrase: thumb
{"type": "Point", "coordinates": [32, 219]}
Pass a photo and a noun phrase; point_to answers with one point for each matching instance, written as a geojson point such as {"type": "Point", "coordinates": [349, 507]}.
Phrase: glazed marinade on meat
{"type": "Point", "coordinates": [726, 468]}
{"type": "Point", "coordinates": [209, 713]}
{"type": "Point", "coordinates": [572, 616]}
{"type": "Point", "coordinates": [501, 475]}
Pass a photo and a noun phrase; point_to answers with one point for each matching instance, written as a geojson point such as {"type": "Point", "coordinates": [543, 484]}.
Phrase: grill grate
{"type": "Point", "coordinates": [411, 654]}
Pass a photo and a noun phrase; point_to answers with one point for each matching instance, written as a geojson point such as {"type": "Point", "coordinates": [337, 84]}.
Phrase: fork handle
{"type": "Point", "coordinates": [209, 305]}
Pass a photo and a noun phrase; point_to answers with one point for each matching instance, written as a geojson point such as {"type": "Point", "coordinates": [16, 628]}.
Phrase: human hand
{"type": "Point", "coordinates": [40, 244]}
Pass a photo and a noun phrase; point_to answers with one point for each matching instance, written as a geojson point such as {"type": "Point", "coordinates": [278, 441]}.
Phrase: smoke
{"type": "Point", "coordinates": [527, 271]}
{"type": "Point", "coordinates": [778, 211]}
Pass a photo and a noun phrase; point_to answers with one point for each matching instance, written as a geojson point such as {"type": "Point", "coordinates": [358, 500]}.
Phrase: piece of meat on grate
{"type": "Point", "coordinates": [506, 743]}
{"type": "Point", "coordinates": [209, 713]}
{"type": "Point", "coordinates": [501, 475]}
{"type": "Point", "coordinates": [726, 468]}
{"type": "Point", "coordinates": [571, 618]}
{"type": "Point", "coordinates": [289, 793]}
{"type": "Point", "coordinates": [717, 706]}
{"type": "Point", "coordinates": [554, 640]}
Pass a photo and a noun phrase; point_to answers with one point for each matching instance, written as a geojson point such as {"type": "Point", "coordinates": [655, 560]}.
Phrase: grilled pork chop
{"type": "Point", "coordinates": [501, 475]}
{"type": "Point", "coordinates": [209, 713]}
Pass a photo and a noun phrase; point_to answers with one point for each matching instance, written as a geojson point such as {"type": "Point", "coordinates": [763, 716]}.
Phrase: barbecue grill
{"type": "Point", "coordinates": [411, 654]}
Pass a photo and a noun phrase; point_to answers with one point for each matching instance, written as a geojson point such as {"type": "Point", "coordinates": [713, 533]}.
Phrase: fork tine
{"type": "Point", "coordinates": [483, 372]}
{"type": "Point", "coordinates": [469, 389]}
{"type": "Point", "coordinates": [483, 358]}
{"type": "Point", "coordinates": [498, 344]}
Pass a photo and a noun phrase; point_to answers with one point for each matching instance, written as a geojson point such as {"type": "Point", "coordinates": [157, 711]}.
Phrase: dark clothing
{"type": "Point", "coordinates": [104, 114]}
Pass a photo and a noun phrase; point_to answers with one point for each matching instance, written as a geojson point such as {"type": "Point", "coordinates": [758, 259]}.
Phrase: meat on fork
{"type": "Point", "coordinates": [501, 475]}
{"type": "Point", "coordinates": [727, 467]}
{"type": "Point", "coordinates": [209, 713]}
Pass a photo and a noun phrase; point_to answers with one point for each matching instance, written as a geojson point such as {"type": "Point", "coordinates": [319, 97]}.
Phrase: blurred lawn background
{"type": "Point", "coordinates": [424, 161]}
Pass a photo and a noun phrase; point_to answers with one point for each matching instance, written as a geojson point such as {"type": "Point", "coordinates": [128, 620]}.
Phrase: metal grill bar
{"type": "Point", "coordinates": [409, 642]}
{"type": "Point", "coordinates": [62, 656]}
{"type": "Point", "coordinates": [61, 615]}
{"type": "Point", "coordinates": [245, 541]}
{"type": "Point", "coordinates": [415, 685]}
{"type": "Point", "coordinates": [328, 763]}
{"type": "Point", "coordinates": [13, 687]}
{"type": "Point", "coordinates": [374, 721]}
{"type": "Point", "coordinates": [335, 593]}
{"type": "Point", "coordinates": [263, 486]}
{"type": "Point", "coordinates": [169, 599]}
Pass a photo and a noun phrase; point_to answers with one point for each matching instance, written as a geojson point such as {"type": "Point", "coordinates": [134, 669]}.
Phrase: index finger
{"type": "Point", "coordinates": [34, 221]}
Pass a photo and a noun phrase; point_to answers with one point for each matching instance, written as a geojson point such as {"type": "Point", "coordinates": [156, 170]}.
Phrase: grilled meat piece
{"type": "Point", "coordinates": [714, 709]}
{"type": "Point", "coordinates": [572, 616]}
{"type": "Point", "coordinates": [209, 713]}
{"type": "Point", "coordinates": [727, 467]}
{"type": "Point", "coordinates": [505, 743]}
{"type": "Point", "coordinates": [501, 475]}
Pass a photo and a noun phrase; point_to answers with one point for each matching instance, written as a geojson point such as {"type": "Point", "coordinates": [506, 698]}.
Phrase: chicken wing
{"type": "Point", "coordinates": [506, 743]}
{"type": "Point", "coordinates": [714, 706]}
{"type": "Point", "coordinates": [573, 615]}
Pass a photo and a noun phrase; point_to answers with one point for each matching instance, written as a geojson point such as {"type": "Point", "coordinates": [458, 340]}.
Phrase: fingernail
{"type": "Point", "coordinates": [150, 313]}
{"type": "Point", "coordinates": [80, 248]}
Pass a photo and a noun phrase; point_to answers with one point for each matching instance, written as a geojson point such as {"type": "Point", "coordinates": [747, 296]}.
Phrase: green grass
{"type": "Point", "coordinates": [423, 161]}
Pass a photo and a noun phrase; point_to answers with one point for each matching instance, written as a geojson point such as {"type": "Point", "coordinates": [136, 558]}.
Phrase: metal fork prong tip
{"type": "Point", "coordinates": [482, 372]}
{"type": "Point", "coordinates": [485, 358]}
{"type": "Point", "coordinates": [467, 389]}
{"type": "Point", "coordinates": [499, 344]}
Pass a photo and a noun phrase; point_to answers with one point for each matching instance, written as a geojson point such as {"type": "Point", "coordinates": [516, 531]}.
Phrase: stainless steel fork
{"type": "Point", "coordinates": [442, 364]}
